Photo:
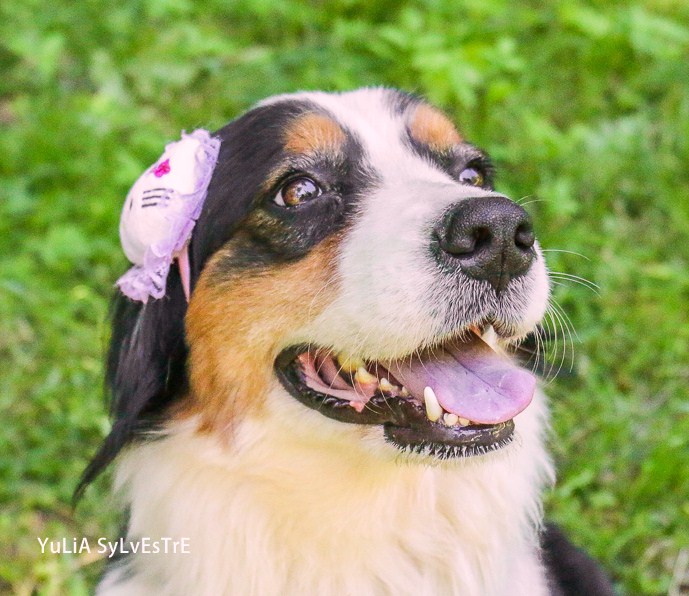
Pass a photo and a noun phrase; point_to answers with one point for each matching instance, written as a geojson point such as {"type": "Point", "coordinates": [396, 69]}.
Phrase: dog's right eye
{"type": "Point", "coordinates": [297, 191]}
{"type": "Point", "coordinates": [472, 176]}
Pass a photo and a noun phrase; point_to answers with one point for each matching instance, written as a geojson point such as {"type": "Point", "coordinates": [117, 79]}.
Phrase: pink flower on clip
{"type": "Point", "coordinates": [162, 169]}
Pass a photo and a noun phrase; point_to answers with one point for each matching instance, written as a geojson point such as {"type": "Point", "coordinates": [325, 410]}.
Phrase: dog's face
{"type": "Point", "coordinates": [370, 255]}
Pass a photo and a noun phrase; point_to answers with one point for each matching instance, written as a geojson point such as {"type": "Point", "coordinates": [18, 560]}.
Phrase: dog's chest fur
{"type": "Point", "coordinates": [297, 514]}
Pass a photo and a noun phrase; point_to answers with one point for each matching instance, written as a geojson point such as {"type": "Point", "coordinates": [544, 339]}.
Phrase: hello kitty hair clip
{"type": "Point", "coordinates": [160, 212]}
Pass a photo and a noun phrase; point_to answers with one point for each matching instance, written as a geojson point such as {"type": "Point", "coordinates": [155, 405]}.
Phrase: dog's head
{"type": "Point", "coordinates": [350, 255]}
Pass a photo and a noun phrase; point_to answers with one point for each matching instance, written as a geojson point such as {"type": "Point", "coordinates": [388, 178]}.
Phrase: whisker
{"type": "Point", "coordinates": [570, 252]}
{"type": "Point", "coordinates": [532, 201]}
{"type": "Point", "coordinates": [575, 279]}
{"type": "Point", "coordinates": [568, 329]}
{"type": "Point", "coordinates": [521, 199]}
{"type": "Point", "coordinates": [552, 350]}
{"type": "Point", "coordinates": [553, 347]}
{"type": "Point", "coordinates": [562, 311]}
{"type": "Point", "coordinates": [327, 284]}
{"type": "Point", "coordinates": [541, 349]}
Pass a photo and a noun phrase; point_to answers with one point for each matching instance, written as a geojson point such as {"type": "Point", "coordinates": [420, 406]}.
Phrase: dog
{"type": "Point", "coordinates": [333, 410]}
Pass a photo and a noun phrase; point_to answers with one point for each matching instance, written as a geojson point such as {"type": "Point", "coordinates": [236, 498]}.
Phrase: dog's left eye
{"type": "Point", "coordinates": [297, 191]}
{"type": "Point", "coordinates": [471, 176]}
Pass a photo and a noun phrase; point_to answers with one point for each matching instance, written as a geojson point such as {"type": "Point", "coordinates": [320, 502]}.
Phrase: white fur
{"type": "Point", "coordinates": [300, 504]}
{"type": "Point", "coordinates": [296, 503]}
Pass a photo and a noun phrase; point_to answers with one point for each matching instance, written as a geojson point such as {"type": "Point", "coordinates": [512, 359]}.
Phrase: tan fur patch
{"type": "Point", "coordinates": [431, 127]}
{"type": "Point", "coordinates": [236, 328]}
{"type": "Point", "coordinates": [314, 133]}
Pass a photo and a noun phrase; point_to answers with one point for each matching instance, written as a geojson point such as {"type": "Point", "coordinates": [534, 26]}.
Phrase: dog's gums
{"type": "Point", "coordinates": [455, 400]}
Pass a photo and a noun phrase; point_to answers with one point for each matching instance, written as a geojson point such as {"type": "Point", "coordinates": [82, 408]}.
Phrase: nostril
{"type": "Point", "coordinates": [524, 237]}
{"type": "Point", "coordinates": [468, 242]}
{"type": "Point", "coordinates": [482, 237]}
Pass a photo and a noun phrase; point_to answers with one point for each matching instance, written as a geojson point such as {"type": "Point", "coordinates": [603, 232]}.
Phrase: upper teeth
{"type": "Point", "coordinates": [349, 364]}
{"type": "Point", "coordinates": [386, 385]}
{"type": "Point", "coordinates": [357, 367]}
{"type": "Point", "coordinates": [364, 377]}
{"type": "Point", "coordinates": [490, 337]}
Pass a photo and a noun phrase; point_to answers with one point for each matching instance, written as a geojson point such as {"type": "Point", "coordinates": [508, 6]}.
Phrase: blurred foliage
{"type": "Point", "coordinates": [584, 106]}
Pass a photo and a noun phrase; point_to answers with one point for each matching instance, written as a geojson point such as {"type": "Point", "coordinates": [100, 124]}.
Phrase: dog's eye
{"type": "Point", "coordinates": [297, 191]}
{"type": "Point", "coordinates": [471, 176]}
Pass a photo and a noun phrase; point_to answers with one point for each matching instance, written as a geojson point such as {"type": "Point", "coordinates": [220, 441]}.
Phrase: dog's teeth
{"type": "Point", "coordinates": [490, 337]}
{"type": "Point", "coordinates": [404, 392]}
{"type": "Point", "coordinates": [364, 377]}
{"type": "Point", "coordinates": [450, 419]}
{"type": "Point", "coordinates": [386, 385]}
{"type": "Point", "coordinates": [433, 409]}
{"type": "Point", "coordinates": [463, 421]}
{"type": "Point", "coordinates": [349, 364]}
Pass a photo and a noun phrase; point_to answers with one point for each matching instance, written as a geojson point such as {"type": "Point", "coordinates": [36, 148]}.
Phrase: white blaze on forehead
{"type": "Point", "coordinates": [370, 115]}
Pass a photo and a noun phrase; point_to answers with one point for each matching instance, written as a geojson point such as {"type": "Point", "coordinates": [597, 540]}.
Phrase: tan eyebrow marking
{"type": "Point", "coordinates": [433, 128]}
{"type": "Point", "coordinates": [314, 133]}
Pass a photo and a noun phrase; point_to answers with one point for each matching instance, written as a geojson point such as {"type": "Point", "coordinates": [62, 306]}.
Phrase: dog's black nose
{"type": "Point", "coordinates": [487, 238]}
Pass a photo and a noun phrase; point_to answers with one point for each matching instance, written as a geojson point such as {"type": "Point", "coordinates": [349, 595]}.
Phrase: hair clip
{"type": "Point", "coordinates": [160, 212]}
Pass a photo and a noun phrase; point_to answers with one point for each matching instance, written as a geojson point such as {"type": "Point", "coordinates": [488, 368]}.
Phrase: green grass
{"type": "Point", "coordinates": [584, 105]}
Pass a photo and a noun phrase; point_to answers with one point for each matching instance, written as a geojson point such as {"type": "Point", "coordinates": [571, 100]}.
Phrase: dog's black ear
{"type": "Point", "coordinates": [145, 369]}
{"type": "Point", "coordinates": [146, 366]}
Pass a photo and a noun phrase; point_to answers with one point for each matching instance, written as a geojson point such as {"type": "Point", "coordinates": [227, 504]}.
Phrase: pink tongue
{"type": "Point", "coordinates": [469, 379]}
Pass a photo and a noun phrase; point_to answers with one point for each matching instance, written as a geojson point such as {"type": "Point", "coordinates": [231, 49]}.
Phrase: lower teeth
{"type": "Point", "coordinates": [450, 419]}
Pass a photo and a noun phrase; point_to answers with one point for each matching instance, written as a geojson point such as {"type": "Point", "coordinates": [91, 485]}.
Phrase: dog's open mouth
{"type": "Point", "coordinates": [455, 400]}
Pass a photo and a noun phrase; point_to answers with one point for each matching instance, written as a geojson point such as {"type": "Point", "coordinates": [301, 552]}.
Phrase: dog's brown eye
{"type": "Point", "coordinates": [471, 176]}
{"type": "Point", "coordinates": [297, 191]}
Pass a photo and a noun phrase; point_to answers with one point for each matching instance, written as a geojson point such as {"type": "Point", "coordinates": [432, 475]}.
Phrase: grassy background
{"type": "Point", "coordinates": [584, 105]}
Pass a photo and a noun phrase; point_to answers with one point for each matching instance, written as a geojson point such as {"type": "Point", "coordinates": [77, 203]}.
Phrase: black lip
{"type": "Point", "coordinates": [404, 421]}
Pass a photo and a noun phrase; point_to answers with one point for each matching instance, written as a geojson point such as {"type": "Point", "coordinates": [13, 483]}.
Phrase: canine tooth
{"type": "Point", "coordinates": [433, 409]}
{"type": "Point", "coordinates": [463, 421]}
{"type": "Point", "coordinates": [349, 364]}
{"type": "Point", "coordinates": [490, 337]}
{"type": "Point", "coordinates": [364, 377]}
{"type": "Point", "coordinates": [450, 419]}
{"type": "Point", "coordinates": [386, 385]}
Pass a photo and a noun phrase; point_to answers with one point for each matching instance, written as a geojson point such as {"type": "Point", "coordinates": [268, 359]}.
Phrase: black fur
{"type": "Point", "coordinates": [571, 572]}
{"type": "Point", "coordinates": [145, 369]}
{"type": "Point", "coordinates": [400, 102]}
{"type": "Point", "coordinates": [146, 365]}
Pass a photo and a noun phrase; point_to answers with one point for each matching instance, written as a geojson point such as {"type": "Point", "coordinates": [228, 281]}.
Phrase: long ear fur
{"type": "Point", "coordinates": [145, 368]}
